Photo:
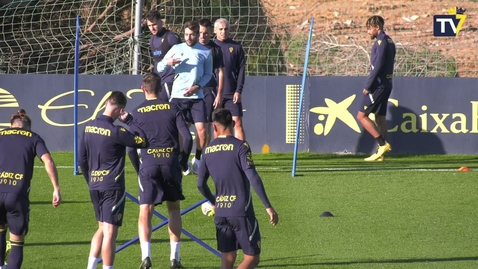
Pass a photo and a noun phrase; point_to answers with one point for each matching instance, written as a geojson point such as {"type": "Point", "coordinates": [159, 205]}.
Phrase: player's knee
{"type": "Point", "coordinates": [17, 238]}
{"type": "Point", "coordinates": [109, 230]}
{"type": "Point", "coordinates": [361, 116]}
{"type": "Point", "coordinates": [173, 206]}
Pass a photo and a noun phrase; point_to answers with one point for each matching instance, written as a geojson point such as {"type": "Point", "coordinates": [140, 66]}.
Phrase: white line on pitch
{"type": "Point", "coordinates": [312, 169]}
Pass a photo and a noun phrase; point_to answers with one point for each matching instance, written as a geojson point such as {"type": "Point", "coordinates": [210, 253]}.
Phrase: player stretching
{"type": "Point", "coordinates": [228, 161]}
{"type": "Point", "coordinates": [378, 86]}
{"type": "Point", "coordinates": [160, 43]}
{"type": "Point", "coordinates": [102, 159]}
{"type": "Point", "coordinates": [234, 74]}
{"type": "Point", "coordinates": [19, 147]}
{"type": "Point", "coordinates": [160, 177]}
{"type": "Point", "coordinates": [213, 89]}
{"type": "Point", "coordinates": [193, 65]}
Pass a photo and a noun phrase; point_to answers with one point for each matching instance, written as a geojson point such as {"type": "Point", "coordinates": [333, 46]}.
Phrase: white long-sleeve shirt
{"type": "Point", "coordinates": [195, 68]}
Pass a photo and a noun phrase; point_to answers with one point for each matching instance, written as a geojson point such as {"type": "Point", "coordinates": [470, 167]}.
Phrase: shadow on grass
{"type": "Point", "coordinates": [63, 202]}
{"type": "Point", "coordinates": [118, 242]}
{"type": "Point", "coordinates": [391, 261]}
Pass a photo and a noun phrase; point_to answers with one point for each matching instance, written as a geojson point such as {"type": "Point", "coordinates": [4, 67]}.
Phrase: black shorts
{"type": "Point", "coordinates": [209, 97]}
{"type": "Point", "coordinates": [15, 212]}
{"type": "Point", "coordinates": [236, 109]}
{"type": "Point", "coordinates": [165, 93]}
{"type": "Point", "coordinates": [375, 102]}
{"type": "Point", "coordinates": [194, 110]}
{"type": "Point", "coordinates": [235, 233]}
{"type": "Point", "coordinates": [159, 183]}
{"type": "Point", "coordinates": [109, 205]}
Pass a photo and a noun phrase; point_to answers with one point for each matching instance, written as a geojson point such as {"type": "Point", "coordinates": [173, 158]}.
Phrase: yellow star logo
{"type": "Point", "coordinates": [335, 111]}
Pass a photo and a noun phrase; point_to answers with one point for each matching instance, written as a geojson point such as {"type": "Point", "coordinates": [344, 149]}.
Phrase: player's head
{"type": "Point", "coordinates": [205, 31]}
{"type": "Point", "coordinates": [191, 33]}
{"type": "Point", "coordinates": [153, 19]}
{"type": "Point", "coordinates": [222, 121]}
{"type": "Point", "coordinates": [115, 104]}
{"type": "Point", "coordinates": [151, 84]}
{"type": "Point", "coordinates": [21, 120]}
{"type": "Point", "coordinates": [374, 25]}
{"type": "Point", "coordinates": [221, 28]}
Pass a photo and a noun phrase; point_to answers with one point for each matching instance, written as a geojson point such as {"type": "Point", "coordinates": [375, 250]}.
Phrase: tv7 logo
{"type": "Point", "coordinates": [449, 25]}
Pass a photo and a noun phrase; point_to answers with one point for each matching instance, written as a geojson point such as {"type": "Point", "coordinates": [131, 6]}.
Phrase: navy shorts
{"type": "Point", "coordinates": [235, 233]}
{"type": "Point", "coordinates": [159, 183]}
{"type": "Point", "coordinates": [194, 110]}
{"type": "Point", "coordinates": [236, 109]}
{"type": "Point", "coordinates": [15, 212]}
{"type": "Point", "coordinates": [166, 91]}
{"type": "Point", "coordinates": [209, 97]}
{"type": "Point", "coordinates": [376, 102]}
{"type": "Point", "coordinates": [109, 205]}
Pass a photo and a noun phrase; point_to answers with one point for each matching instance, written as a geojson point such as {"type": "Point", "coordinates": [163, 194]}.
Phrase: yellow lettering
{"type": "Point", "coordinates": [98, 130]}
{"type": "Point", "coordinates": [395, 103]}
{"type": "Point", "coordinates": [424, 120]}
{"type": "Point", "coordinates": [439, 122]}
{"type": "Point", "coordinates": [474, 117]}
{"type": "Point", "coordinates": [146, 109]}
{"type": "Point", "coordinates": [412, 122]}
{"type": "Point", "coordinates": [48, 106]}
{"type": "Point", "coordinates": [461, 122]}
{"type": "Point", "coordinates": [16, 132]}
{"type": "Point", "coordinates": [19, 176]}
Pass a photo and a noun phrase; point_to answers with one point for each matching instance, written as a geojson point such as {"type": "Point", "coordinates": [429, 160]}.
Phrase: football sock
{"type": "Point", "coordinates": [174, 251]}
{"type": "Point", "coordinates": [92, 262]}
{"type": "Point", "coordinates": [380, 140]}
{"type": "Point", "coordinates": [145, 250]}
{"type": "Point", "coordinates": [15, 259]}
{"type": "Point", "coordinates": [3, 245]}
{"type": "Point", "coordinates": [198, 154]}
{"type": "Point", "coordinates": [107, 267]}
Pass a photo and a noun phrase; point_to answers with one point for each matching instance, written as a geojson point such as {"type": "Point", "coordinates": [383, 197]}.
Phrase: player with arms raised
{"type": "Point", "coordinates": [234, 74]}
{"type": "Point", "coordinates": [102, 160]}
{"type": "Point", "coordinates": [19, 147]}
{"type": "Point", "coordinates": [160, 177]}
{"type": "Point", "coordinates": [228, 161]}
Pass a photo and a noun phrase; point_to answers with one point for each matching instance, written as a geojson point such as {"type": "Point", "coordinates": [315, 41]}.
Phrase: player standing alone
{"type": "Point", "coordinates": [234, 74]}
{"type": "Point", "coordinates": [378, 87]}
{"type": "Point", "coordinates": [228, 161]}
{"type": "Point", "coordinates": [102, 160]}
{"type": "Point", "coordinates": [19, 147]}
{"type": "Point", "coordinates": [160, 177]}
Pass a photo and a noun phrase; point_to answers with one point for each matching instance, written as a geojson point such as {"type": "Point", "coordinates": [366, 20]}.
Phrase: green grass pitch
{"type": "Point", "coordinates": [407, 212]}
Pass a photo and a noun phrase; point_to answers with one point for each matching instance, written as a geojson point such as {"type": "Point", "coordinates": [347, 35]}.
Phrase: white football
{"type": "Point", "coordinates": [207, 209]}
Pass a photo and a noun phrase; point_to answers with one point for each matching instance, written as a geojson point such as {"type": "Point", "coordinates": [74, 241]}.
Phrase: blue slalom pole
{"type": "Point", "coordinates": [75, 97]}
{"type": "Point", "coordinates": [165, 222]}
{"type": "Point", "coordinates": [299, 114]}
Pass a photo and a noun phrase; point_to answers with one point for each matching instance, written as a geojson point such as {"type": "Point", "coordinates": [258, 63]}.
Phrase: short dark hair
{"type": "Point", "coordinates": [152, 83]}
{"type": "Point", "coordinates": [223, 117]}
{"type": "Point", "coordinates": [153, 15]}
{"type": "Point", "coordinates": [117, 98]}
{"type": "Point", "coordinates": [205, 23]}
{"type": "Point", "coordinates": [375, 21]}
{"type": "Point", "coordinates": [192, 25]}
{"type": "Point", "coordinates": [21, 116]}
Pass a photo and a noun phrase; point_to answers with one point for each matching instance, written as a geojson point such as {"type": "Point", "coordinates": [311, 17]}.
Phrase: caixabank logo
{"type": "Point", "coordinates": [338, 114]}
{"type": "Point", "coordinates": [8, 107]}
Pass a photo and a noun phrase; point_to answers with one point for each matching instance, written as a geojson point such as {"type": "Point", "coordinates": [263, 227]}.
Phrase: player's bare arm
{"type": "Point", "coordinates": [53, 174]}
